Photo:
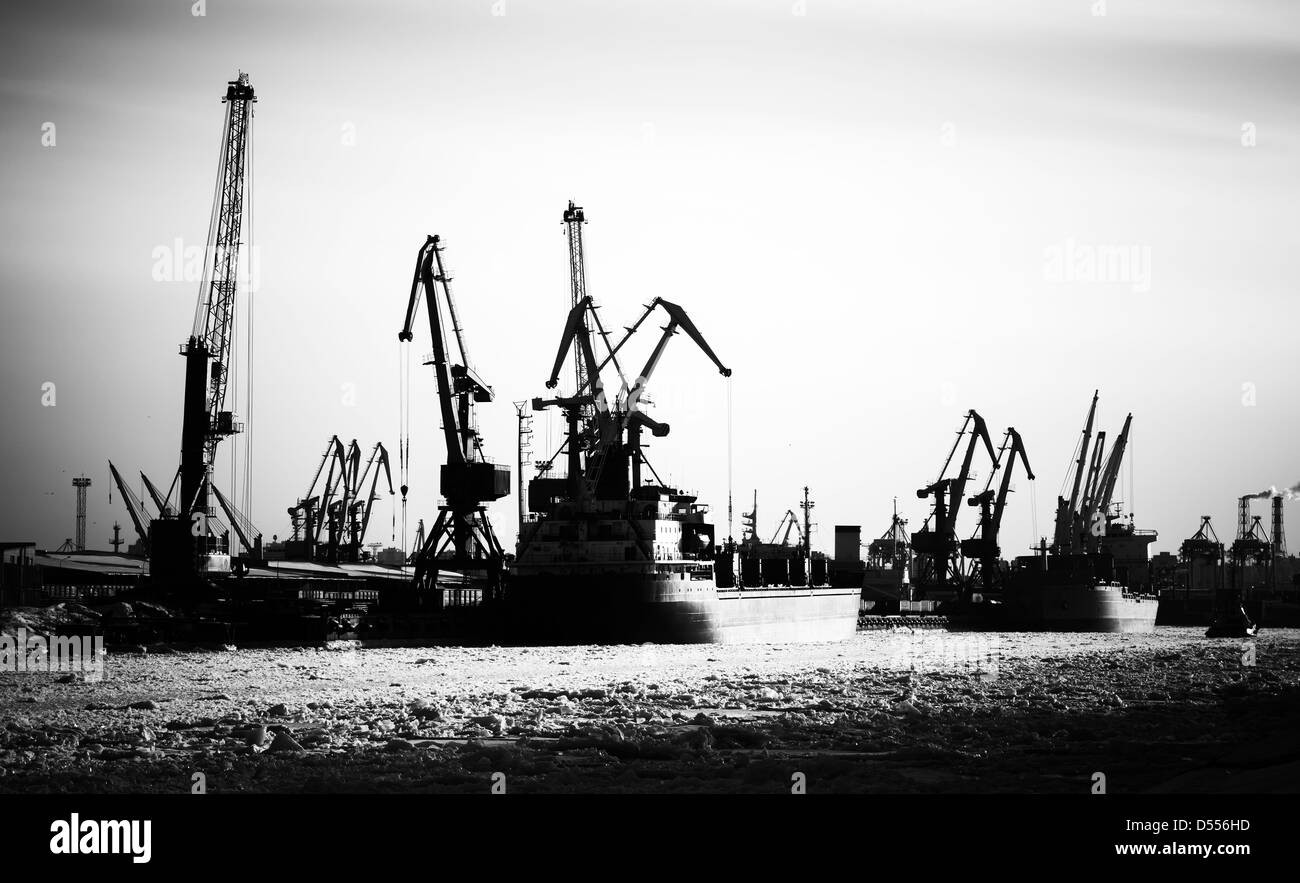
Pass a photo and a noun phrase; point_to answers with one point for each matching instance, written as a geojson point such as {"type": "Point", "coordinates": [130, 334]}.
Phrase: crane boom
{"type": "Point", "coordinates": [249, 536]}
{"type": "Point", "coordinates": [677, 318]}
{"type": "Point", "coordinates": [459, 434]}
{"type": "Point", "coordinates": [159, 499]}
{"type": "Point", "coordinates": [575, 330]}
{"type": "Point", "coordinates": [1110, 475]}
{"type": "Point", "coordinates": [134, 507]}
{"type": "Point", "coordinates": [359, 518]}
{"type": "Point", "coordinates": [1063, 539]}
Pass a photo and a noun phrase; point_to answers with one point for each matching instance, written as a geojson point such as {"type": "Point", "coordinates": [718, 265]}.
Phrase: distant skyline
{"type": "Point", "coordinates": [880, 216]}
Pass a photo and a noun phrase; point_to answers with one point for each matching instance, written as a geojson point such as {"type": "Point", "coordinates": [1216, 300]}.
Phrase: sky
{"type": "Point", "coordinates": [880, 215]}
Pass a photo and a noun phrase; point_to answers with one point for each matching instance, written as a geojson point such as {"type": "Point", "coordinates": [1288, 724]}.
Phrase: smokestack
{"type": "Point", "coordinates": [1279, 539]}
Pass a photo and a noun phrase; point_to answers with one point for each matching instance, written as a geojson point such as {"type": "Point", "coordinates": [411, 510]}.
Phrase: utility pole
{"type": "Point", "coordinates": [81, 484]}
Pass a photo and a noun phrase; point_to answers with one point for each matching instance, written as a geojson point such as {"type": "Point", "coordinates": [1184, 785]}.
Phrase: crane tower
{"type": "Point", "coordinates": [184, 544]}
{"type": "Point", "coordinates": [574, 218]}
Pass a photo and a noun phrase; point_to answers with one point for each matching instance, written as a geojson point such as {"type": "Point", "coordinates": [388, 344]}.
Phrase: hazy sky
{"type": "Point", "coordinates": [879, 214]}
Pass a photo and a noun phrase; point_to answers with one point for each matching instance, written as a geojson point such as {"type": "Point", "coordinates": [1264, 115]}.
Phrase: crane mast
{"type": "Point", "coordinates": [574, 218]}
{"type": "Point", "coordinates": [208, 350]}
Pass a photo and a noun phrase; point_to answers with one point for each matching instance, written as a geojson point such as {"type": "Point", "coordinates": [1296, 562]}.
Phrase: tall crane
{"type": "Point", "coordinates": [938, 545]}
{"type": "Point", "coordinates": [180, 544]}
{"type": "Point", "coordinates": [468, 479]}
{"type": "Point", "coordinates": [983, 547]}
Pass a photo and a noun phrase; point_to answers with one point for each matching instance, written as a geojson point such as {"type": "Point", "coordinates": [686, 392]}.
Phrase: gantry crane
{"type": "Point", "coordinates": [468, 479]}
{"type": "Point", "coordinates": [936, 547]}
{"type": "Point", "coordinates": [614, 432]}
{"type": "Point", "coordinates": [313, 509]}
{"type": "Point", "coordinates": [182, 546]}
{"type": "Point", "coordinates": [982, 548]}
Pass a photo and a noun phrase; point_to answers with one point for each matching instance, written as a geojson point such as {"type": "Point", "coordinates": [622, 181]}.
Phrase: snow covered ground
{"type": "Point", "coordinates": [893, 711]}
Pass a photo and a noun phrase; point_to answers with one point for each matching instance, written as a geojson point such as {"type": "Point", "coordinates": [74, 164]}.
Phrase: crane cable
{"type": "Point", "coordinates": [403, 433]}
{"type": "Point", "coordinates": [730, 533]}
{"type": "Point", "coordinates": [1033, 513]}
{"type": "Point", "coordinates": [1132, 455]}
{"type": "Point", "coordinates": [248, 343]}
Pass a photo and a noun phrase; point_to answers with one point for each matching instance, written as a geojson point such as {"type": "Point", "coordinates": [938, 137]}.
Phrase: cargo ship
{"type": "Point", "coordinates": [1074, 593]}
{"type": "Point", "coordinates": [607, 553]}
{"type": "Point", "coordinates": [645, 569]}
{"type": "Point", "coordinates": [1095, 575]}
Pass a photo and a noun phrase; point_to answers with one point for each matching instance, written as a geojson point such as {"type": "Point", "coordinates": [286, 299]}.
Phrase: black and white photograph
{"type": "Point", "coordinates": [596, 404]}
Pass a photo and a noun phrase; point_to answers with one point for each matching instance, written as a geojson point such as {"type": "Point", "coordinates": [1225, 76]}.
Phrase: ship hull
{"type": "Point", "coordinates": [1103, 608]}
{"type": "Point", "coordinates": [633, 609]}
{"type": "Point", "coordinates": [1066, 608]}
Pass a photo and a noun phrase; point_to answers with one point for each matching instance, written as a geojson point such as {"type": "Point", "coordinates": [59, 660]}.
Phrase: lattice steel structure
{"type": "Point", "coordinates": [206, 420]}
{"type": "Point", "coordinates": [81, 484]}
{"type": "Point", "coordinates": [574, 218]}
